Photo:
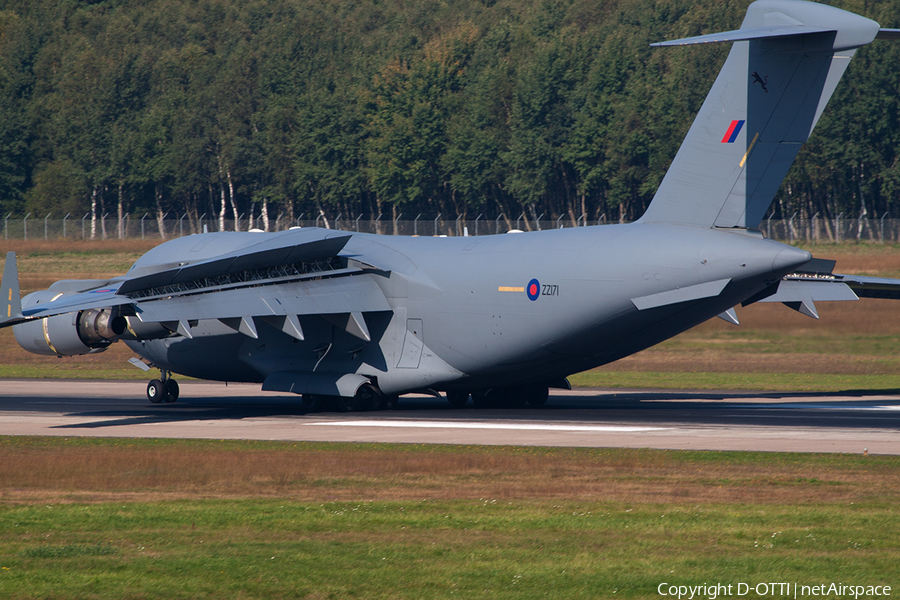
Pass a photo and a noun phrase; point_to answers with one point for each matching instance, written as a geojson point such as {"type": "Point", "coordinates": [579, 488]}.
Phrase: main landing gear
{"type": "Point", "coordinates": [512, 397]}
{"type": "Point", "coordinates": [368, 397]}
{"type": "Point", "coordinates": [164, 389]}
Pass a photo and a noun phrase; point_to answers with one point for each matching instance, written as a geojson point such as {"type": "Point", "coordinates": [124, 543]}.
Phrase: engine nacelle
{"type": "Point", "coordinates": [69, 334]}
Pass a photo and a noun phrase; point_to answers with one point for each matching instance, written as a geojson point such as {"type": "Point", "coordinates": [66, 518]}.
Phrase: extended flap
{"type": "Point", "coordinates": [355, 294]}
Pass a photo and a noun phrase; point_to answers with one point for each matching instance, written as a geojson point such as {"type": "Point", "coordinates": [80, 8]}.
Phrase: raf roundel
{"type": "Point", "coordinates": [533, 290]}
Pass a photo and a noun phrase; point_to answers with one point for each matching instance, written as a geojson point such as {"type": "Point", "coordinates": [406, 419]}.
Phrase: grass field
{"type": "Point", "coordinates": [89, 518]}
{"type": "Point", "coordinates": [855, 345]}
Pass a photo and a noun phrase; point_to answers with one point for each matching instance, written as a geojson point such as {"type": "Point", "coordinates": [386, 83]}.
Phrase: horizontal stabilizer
{"type": "Point", "coordinates": [802, 294]}
{"type": "Point", "coordinates": [742, 35]}
{"type": "Point", "coordinates": [871, 287]}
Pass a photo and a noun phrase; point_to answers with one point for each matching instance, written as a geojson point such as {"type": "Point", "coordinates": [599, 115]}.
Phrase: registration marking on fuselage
{"type": "Point", "coordinates": [486, 425]}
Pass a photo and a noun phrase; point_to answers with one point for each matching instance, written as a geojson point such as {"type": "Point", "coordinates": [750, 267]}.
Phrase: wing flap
{"type": "Point", "coordinates": [356, 294]}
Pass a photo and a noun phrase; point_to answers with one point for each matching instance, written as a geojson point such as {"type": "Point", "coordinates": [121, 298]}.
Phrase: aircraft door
{"type": "Point", "coordinates": [412, 345]}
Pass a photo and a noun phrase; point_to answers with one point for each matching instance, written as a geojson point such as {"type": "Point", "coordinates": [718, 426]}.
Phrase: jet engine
{"type": "Point", "coordinates": [69, 334]}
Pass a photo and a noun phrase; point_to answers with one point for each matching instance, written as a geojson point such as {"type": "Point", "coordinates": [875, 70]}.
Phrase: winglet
{"type": "Point", "coordinates": [10, 300]}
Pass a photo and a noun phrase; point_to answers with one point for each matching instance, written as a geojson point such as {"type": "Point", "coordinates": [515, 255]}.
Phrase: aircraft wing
{"type": "Point", "coordinates": [275, 282]}
{"type": "Point", "coordinates": [341, 299]}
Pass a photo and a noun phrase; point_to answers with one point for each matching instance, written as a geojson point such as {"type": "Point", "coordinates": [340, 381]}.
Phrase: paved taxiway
{"type": "Point", "coordinates": [795, 422]}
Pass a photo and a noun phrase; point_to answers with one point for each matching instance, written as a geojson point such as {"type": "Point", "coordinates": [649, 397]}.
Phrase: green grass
{"type": "Point", "coordinates": [405, 521]}
{"type": "Point", "coordinates": [432, 549]}
{"type": "Point", "coordinates": [112, 372]}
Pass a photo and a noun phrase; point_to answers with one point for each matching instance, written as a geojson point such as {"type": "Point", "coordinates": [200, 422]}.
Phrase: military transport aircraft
{"type": "Point", "coordinates": [357, 319]}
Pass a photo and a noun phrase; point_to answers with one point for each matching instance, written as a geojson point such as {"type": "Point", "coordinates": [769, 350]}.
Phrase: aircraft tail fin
{"type": "Point", "coordinates": [10, 299]}
{"type": "Point", "coordinates": [785, 62]}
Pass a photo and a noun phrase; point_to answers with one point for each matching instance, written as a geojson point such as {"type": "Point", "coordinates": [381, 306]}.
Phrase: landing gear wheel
{"type": "Point", "coordinates": [516, 397]}
{"type": "Point", "coordinates": [537, 395]}
{"type": "Point", "coordinates": [457, 399]}
{"type": "Point", "coordinates": [313, 402]}
{"type": "Point", "coordinates": [390, 402]}
{"type": "Point", "coordinates": [367, 397]}
{"type": "Point", "coordinates": [156, 391]}
{"type": "Point", "coordinates": [172, 390]}
{"type": "Point", "coordinates": [500, 398]}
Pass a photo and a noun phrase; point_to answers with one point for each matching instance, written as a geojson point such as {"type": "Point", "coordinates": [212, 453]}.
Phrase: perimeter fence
{"type": "Point", "coordinates": [817, 230]}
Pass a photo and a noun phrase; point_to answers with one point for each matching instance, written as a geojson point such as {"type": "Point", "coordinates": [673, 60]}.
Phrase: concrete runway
{"type": "Point", "coordinates": [772, 421]}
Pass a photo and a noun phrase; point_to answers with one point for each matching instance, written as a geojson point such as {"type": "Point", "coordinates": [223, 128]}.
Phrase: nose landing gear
{"type": "Point", "coordinates": [164, 389]}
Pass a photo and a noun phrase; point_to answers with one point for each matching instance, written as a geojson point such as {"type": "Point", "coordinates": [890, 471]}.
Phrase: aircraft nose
{"type": "Point", "coordinates": [790, 258]}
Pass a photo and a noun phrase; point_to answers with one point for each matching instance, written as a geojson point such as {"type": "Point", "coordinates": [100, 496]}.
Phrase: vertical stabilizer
{"type": "Point", "coordinates": [786, 61]}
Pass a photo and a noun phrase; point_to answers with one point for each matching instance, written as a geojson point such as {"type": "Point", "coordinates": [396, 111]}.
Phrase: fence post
{"type": "Point", "coordinates": [64, 224]}
{"type": "Point", "coordinates": [6, 227]}
{"type": "Point", "coordinates": [45, 225]}
{"type": "Point", "coordinates": [436, 219]}
{"type": "Point", "coordinates": [558, 224]}
{"type": "Point", "coordinates": [497, 224]}
{"type": "Point", "coordinates": [476, 223]}
{"type": "Point", "coordinates": [538, 221]}
{"type": "Point", "coordinates": [458, 230]}
{"type": "Point", "coordinates": [142, 225]}
{"type": "Point", "coordinates": [25, 225]}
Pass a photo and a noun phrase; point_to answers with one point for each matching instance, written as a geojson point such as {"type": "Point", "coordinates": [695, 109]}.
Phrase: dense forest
{"type": "Point", "coordinates": [326, 107]}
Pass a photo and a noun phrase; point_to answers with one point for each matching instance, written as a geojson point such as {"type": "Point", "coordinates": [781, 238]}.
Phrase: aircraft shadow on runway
{"type": "Point", "coordinates": [772, 409]}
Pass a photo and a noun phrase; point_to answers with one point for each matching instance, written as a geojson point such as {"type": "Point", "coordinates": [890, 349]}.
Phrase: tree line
{"type": "Point", "coordinates": [394, 107]}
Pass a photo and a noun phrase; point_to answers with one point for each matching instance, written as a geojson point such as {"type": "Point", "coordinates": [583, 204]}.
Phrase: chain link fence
{"type": "Point", "coordinates": [146, 227]}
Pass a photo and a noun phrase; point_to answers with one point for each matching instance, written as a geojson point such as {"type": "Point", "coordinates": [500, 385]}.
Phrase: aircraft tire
{"type": "Point", "coordinates": [516, 397]}
{"type": "Point", "coordinates": [457, 399]}
{"type": "Point", "coordinates": [172, 390]}
{"type": "Point", "coordinates": [155, 391]}
{"type": "Point", "coordinates": [538, 394]}
{"type": "Point", "coordinates": [499, 398]}
{"type": "Point", "coordinates": [389, 402]}
{"type": "Point", "coordinates": [313, 402]}
{"type": "Point", "coordinates": [367, 398]}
